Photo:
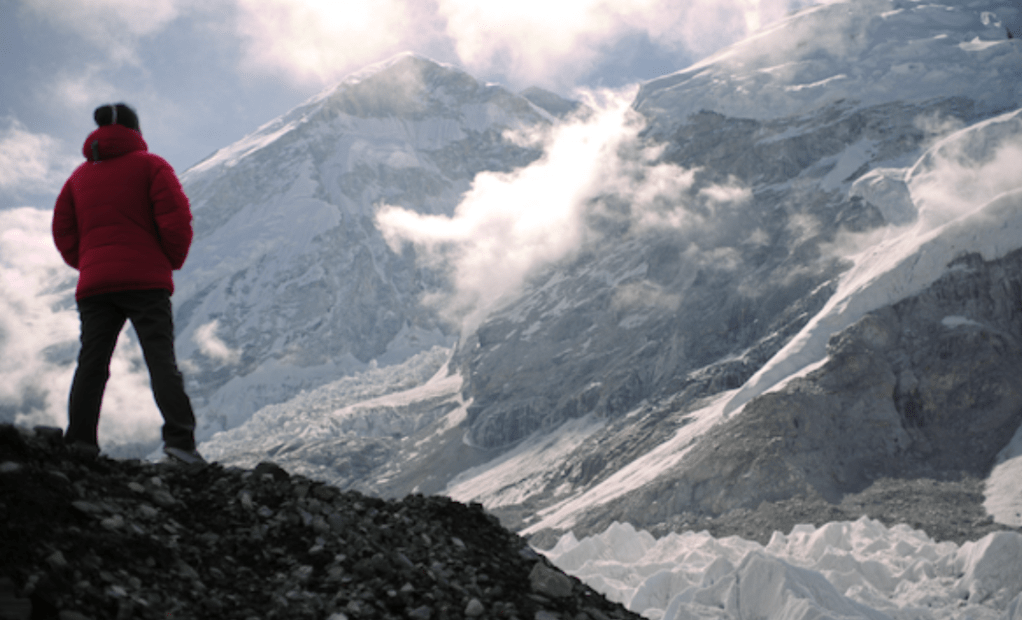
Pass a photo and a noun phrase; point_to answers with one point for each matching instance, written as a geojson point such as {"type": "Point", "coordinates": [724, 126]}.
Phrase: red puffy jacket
{"type": "Point", "coordinates": [122, 219]}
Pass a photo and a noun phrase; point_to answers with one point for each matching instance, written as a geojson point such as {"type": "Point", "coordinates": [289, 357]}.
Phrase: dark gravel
{"type": "Point", "coordinates": [101, 538]}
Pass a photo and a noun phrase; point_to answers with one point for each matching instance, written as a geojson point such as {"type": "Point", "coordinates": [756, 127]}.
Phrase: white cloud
{"type": "Point", "coordinates": [31, 162]}
{"type": "Point", "coordinates": [39, 336]}
{"type": "Point", "coordinates": [644, 295]}
{"type": "Point", "coordinates": [510, 225]}
{"type": "Point", "coordinates": [212, 346]}
{"type": "Point", "coordinates": [528, 41]}
{"type": "Point", "coordinates": [533, 41]}
{"type": "Point", "coordinates": [80, 91]}
{"type": "Point", "coordinates": [967, 169]}
{"type": "Point", "coordinates": [323, 40]}
{"type": "Point", "coordinates": [98, 19]}
{"type": "Point", "coordinates": [114, 25]}
{"type": "Point", "coordinates": [733, 193]}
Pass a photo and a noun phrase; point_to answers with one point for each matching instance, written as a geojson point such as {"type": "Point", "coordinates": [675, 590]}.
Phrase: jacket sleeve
{"type": "Point", "coordinates": [65, 226]}
{"type": "Point", "coordinates": [172, 214]}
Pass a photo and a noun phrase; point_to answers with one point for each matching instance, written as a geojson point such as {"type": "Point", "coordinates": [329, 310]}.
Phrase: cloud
{"type": "Point", "coordinates": [524, 43]}
{"type": "Point", "coordinates": [527, 42]}
{"type": "Point", "coordinates": [967, 169]}
{"type": "Point", "coordinates": [555, 44]}
{"type": "Point", "coordinates": [114, 25]}
{"type": "Point", "coordinates": [81, 90]}
{"type": "Point", "coordinates": [509, 225]}
{"type": "Point", "coordinates": [212, 346]}
{"type": "Point", "coordinates": [322, 40]}
{"type": "Point", "coordinates": [39, 340]}
{"type": "Point", "coordinates": [31, 162]}
{"type": "Point", "coordinates": [643, 296]}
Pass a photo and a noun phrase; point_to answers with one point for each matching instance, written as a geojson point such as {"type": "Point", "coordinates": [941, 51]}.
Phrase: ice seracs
{"type": "Point", "coordinates": [852, 569]}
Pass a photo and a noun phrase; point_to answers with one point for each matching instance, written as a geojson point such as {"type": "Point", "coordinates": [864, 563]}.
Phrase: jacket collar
{"type": "Point", "coordinates": [111, 141]}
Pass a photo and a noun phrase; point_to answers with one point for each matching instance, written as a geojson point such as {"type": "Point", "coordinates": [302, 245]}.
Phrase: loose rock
{"type": "Point", "coordinates": [97, 538]}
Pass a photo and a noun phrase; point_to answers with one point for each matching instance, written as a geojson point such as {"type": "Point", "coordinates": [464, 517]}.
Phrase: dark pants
{"type": "Point", "coordinates": [102, 317]}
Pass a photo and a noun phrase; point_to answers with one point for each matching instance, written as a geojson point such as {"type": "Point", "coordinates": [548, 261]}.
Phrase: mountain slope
{"type": "Point", "coordinates": [846, 178]}
{"type": "Point", "coordinates": [290, 283]}
{"type": "Point", "coordinates": [766, 293]}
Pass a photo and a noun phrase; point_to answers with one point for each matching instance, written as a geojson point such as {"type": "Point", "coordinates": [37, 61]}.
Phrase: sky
{"type": "Point", "coordinates": [204, 73]}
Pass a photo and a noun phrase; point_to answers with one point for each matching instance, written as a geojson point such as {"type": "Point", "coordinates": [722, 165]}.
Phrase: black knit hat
{"type": "Point", "coordinates": [116, 113]}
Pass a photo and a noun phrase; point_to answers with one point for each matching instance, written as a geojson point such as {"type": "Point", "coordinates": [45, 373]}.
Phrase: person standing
{"type": "Point", "coordinates": [123, 221]}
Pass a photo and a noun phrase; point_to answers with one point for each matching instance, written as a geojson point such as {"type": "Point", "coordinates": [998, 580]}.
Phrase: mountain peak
{"type": "Point", "coordinates": [401, 62]}
{"type": "Point", "coordinates": [405, 85]}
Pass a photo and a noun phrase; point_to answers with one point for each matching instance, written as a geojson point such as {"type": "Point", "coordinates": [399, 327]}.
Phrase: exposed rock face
{"type": "Point", "coordinates": [958, 361]}
{"type": "Point", "coordinates": [101, 539]}
{"type": "Point", "coordinates": [695, 310]}
{"type": "Point", "coordinates": [928, 387]}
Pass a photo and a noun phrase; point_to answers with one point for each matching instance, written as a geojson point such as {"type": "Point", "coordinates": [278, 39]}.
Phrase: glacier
{"type": "Point", "coordinates": [851, 569]}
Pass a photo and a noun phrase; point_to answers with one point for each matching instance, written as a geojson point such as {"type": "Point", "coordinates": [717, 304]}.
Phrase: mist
{"type": "Point", "coordinates": [595, 170]}
{"type": "Point", "coordinates": [967, 169]}
{"type": "Point", "coordinates": [30, 163]}
{"type": "Point", "coordinates": [39, 340]}
{"type": "Point", "coordinates": [508, 225]}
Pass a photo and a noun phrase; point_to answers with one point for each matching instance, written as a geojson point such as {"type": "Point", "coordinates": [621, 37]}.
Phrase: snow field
{"type": "Point", "coordinates": [850, 569]}
{"type": "Point", "coordinates": [1003, 493]}
{"type": "Point", "coordinates": [858, 53]}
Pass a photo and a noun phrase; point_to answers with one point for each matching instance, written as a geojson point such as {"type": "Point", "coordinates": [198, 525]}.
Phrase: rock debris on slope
{"type": "Point", "coordinates": [101, 538]}
{"type": "Point", "coordinates": [946, 510]}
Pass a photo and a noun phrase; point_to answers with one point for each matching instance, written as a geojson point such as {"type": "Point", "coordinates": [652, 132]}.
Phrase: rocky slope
{"type": "Point", "coordinates": [912, 390]}
{"type": "Point", "coordinates": [785, 138]}
{"type": "Point", "coordinates": [100, 539]}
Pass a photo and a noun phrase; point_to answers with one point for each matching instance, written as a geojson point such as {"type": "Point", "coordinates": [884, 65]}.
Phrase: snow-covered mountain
{"type": "Point", "coordinates": [290, 283]}
{"type": "Point", "coordinates": [800, 270]}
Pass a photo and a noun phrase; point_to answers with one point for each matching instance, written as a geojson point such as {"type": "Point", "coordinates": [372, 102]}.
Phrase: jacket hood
{"type": "Point", "coordinates": [111, 141]}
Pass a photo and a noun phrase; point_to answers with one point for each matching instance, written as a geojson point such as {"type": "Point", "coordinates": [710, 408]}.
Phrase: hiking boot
{"type": "Point", "coordinates": [190, 457]}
